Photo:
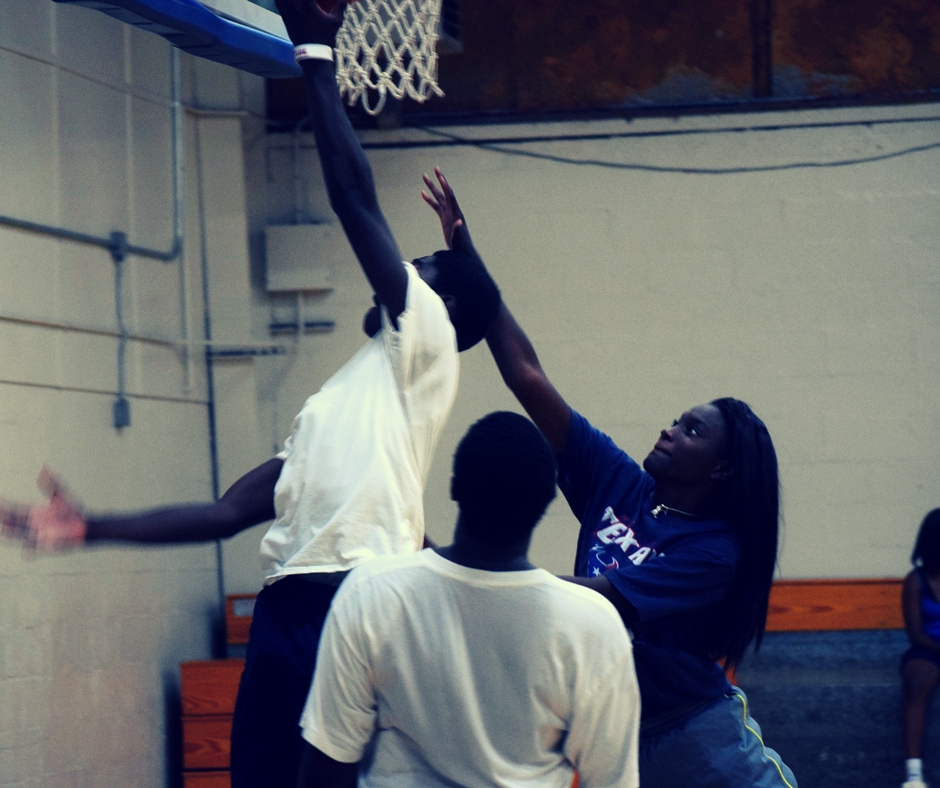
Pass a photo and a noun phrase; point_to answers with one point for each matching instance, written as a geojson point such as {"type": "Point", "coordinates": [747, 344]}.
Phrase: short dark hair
{"type": "Point", "coordinates": [504, 477]}
{"type": "Point", "coordinates": [463, 275]}
{"type": "Point", "coordinates": [927, 547]}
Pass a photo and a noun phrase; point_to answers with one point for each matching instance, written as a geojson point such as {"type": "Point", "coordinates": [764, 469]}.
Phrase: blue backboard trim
{"type": "Point", "coordinates": [192, 27]}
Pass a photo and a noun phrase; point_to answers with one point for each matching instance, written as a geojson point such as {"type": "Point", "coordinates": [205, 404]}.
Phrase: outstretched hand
{"type": "Point", "coordinates": [444, 203]}
{"type": "Point", "coordinates": [308, 23]}
{"type": "Point", "coordinates": [56, 525]}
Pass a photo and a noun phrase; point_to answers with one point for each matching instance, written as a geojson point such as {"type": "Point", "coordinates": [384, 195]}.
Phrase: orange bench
{"type": "Point", "coordinates": [209, 687]}
{"type": "Point", "coordinates": [818, 605]}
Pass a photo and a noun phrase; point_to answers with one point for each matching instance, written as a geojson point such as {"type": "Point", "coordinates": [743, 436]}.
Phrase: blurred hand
{"type": "Point", "coordinates": [57, 525]}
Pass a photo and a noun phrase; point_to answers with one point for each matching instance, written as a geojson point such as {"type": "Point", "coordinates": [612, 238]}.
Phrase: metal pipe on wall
{"type": "Point", "coordinates": [120, 248]}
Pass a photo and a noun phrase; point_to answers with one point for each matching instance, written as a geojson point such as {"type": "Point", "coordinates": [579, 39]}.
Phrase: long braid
{"type": "Point", "coordinates": [750, 503]}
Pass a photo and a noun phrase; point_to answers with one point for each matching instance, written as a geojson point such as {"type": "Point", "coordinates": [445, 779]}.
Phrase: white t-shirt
{"type": "Point", "coordinates": [357, 459]}
{"type": "Point", "coordinates": [433, 674]}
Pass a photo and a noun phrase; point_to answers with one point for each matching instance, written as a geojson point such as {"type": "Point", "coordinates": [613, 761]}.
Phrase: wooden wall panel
{"type": "Point", "coordinates": [210, 686]}
{"type": "Point", "coordinates": [879, 47]}
{"type": "Point", "coordinates": [521, 57]}
{"type": "Point", "coordinates": [559, 56]}
{"type": "Point", "coordinates": [817, 605]}
{"type": "Point", "coordinates": [207, 742]}
{"type": "Point", "coordinates": [208, 689]}
{"type": "Point", "coordinates": [207, 780]}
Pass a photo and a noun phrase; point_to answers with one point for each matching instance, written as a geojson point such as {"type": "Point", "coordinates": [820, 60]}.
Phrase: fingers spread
{"type": "Point", "coordinates": [432, 202]}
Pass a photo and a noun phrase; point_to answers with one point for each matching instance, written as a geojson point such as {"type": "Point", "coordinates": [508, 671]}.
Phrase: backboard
{"type": "Point", "coordinates": [238, 33]}
{"type": "Point", "coordinates": [385, 47]}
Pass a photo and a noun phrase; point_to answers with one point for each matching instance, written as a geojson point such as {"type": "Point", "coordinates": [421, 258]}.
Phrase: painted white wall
{"type": "Point", "coordinates": [91, 641]}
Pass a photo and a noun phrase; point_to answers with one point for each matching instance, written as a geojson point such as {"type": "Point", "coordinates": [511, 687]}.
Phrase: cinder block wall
{"type": "Point", "coordinates": [90, 642]}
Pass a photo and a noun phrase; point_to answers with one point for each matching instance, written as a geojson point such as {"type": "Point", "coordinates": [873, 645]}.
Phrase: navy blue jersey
{"type": "Point", "coordinates": [675, 572]}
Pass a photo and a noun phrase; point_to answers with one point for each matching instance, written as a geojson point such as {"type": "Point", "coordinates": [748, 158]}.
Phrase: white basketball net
{"type": "Point", "coordinates": [388, 46]}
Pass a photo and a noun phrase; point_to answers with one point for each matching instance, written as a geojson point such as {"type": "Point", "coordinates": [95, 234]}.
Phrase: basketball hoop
{"type": "Point", "coordinates": [388, 47]}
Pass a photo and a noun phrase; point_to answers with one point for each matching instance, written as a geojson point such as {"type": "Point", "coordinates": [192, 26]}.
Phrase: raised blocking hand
{"type": "Point", "coordinates": [444, 203]}
{"type": "Point", "coordinates": [57, 525]}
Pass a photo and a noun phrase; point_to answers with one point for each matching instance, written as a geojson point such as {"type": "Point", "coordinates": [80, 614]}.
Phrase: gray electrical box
{"type": "Point", "coordinates": [300, 257]}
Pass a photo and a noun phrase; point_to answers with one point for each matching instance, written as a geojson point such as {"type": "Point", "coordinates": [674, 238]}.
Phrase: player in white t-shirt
{"type": "Point", "coordinates": [466, 665]}
{"type": "Point", "coordinates": [349, 483]}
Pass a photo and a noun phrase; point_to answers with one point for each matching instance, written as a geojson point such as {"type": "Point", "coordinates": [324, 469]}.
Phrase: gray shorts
{"type": "Point", "coordinates": [719, 747]}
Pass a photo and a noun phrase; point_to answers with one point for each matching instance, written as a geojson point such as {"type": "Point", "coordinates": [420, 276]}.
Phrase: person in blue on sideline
{"type": "Point", "coordinates": [920, 665]}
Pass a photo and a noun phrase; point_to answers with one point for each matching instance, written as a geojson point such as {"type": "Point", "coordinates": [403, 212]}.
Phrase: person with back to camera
{"type": "Point", "coordinates": [684, 547]}
{"type": "Point", "coordinates": [920, 664]}
{"type": "Point", "coordinates": [349, 482]}
{"type": "Point", "coordinates": [466, 665]}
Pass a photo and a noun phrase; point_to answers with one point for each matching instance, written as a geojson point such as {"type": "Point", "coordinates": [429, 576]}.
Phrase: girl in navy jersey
{"type": "Point", "coordinates": [685, 548]}
{"type": "Point", "coordinates": [920, 665]}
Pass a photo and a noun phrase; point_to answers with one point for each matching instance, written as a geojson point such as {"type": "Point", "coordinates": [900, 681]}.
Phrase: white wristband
{"type": "Point", "coordinates": [313, 52]}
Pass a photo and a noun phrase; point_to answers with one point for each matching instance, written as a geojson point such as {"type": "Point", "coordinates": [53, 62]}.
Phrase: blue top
{"type": "Point", "coordinates": [675, 572]}
{"type": "Point", "coordinates": [929, 608]}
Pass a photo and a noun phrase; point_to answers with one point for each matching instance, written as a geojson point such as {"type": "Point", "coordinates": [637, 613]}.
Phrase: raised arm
{"type": "Point", "coordinates": [523, 374]}
{"type": "Point", "coordinates": [440, 196]}
{"type": "Point", "coordinates": [346, 170]}
{"type": "Point", "coordinates": [61, 523]}
{"type": "Point", "coordinates": [515, 357]}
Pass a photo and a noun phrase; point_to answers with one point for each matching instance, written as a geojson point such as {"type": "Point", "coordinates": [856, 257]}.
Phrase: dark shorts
{"type": "Point", "coordinates": [282, 651]}
{"type": "Point", "coordinates": [916, 652]}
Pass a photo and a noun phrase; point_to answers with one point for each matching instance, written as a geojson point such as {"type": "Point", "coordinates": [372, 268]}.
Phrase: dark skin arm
{"type": "Point", "coordinates": [520, 368]}
{"type": "Point", "coordinates": [318, 770]}
{"type": "Point", "coordinates": [523, 374]}
{"type": "Point", "coordinates": [61, 523]}
{"type": "Point", "coordinates": [440, 196]}
{"type": "Point", "coordinates": [248, 502]}
{"type": "Point", "coordinates": [519, 365]}
{"type": "Point", "coordinates": [346, 170]}
{"type": "Point", "coordinates": [913, 617]}
{"type": "Point", "coordinates": [513, 352]}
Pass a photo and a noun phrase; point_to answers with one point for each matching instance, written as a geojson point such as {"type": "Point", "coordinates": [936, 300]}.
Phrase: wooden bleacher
{"type": "Point", "coordinates": [209, 687]}
{"type": "Point", "coordinates": [825, 686]}
{"type": "Point", "coordinates": [818, 605]}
